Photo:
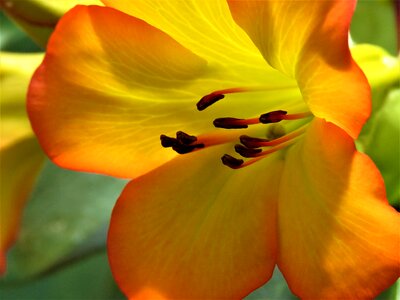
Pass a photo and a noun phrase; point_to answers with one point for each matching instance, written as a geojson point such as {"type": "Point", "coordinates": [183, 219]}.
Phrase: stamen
{"type": "Point", "coordinates": [246, 152]}
{"type": "Point", "coordinates": [167, 141]}
{"type": "Point", "coordinates": [233, 123]}
{"type": "Point", "coordinates": [231, 162]}
{"type": "Point", "coordinates": [250, 162]}
{"type": "Point", "coordinates": [273, 116]}
{"type": "Point", "coordinates": [251, 142]}
{"type": "Point", "coordinates": [297, 116]}
{"type": "Point", "coordinates": [210, 99]}
{"type": "Point", "coordinates": [183, 143]}
{"type": "Point", "coordinates": [279, 115]}
{"type": "Point", "coordinates": [215, 96]}
{"type": "Point", "coordinates": [235, 163]}
{"type": "Point", "coordinates": [185, 138]}
{"type": "Point", "coordinates": [269, 151]}
{"type": "Point", "coordinates": [217, 138]}
{"type": "Point", "coordinates": [183, 149]}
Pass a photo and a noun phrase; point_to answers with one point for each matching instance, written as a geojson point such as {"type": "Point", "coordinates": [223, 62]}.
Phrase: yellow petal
{"type": "Point", "coordinates": [205, 27]}
{"type": "Point", "coordinates": [195, 229]}
{"type": "Point", "coordinates": [336, 227]}
{"type": "Point", "coordinates": [308, 40]}
{"type": "Point", "coordinates": [15, 73]}
{"type": "Point", "coordinates": [381, 69]}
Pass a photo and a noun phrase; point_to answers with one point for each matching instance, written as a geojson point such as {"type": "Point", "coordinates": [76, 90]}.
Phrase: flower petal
{"type": "Point", "coordinates": [308, 40]}
{"type": "Point", "coordinates": [195, 229]}
{"type": "Point", "coordinates": [20, 162]}
{"type": "Point", "coordinates": [335, 224]}
{"type": "Point", "coordinates": [110, 84]}
{"type": "Point", "coordinates": [381, 68]}
{"type": "Point", "coordinates": [205, 27]}
{"type": "Point", "coordinates": [15, 72]}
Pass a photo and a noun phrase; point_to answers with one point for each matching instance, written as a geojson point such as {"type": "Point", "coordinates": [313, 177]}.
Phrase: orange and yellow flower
{"type": "Point", "coordinates": [116, 79]}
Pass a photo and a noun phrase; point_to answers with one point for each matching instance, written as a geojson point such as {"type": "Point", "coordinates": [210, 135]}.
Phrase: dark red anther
{"type": "Point", "coordinates": [208, 100]}
{"type": "Point", "coordinates": [184, 143]}
{"type": "Point", "coordinates": [185, 138]}
{"type": "Point", "coordinates": [231, 162]}
{"type": "Point", "coordinates": [167, 141]}
{"type": "Point", "coordinates": [230, 123]}
{"type": "Point", "coordinates": [273, 116]}
{"type": "Point", "coordinates": [251, 142]}
{"type": "Point", "coordinates": [183, 149]}
{"type": "Point", "coordinates": [247, 152]}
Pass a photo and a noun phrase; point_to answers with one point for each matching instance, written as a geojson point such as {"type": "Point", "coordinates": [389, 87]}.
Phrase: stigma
{"type": "Point", "coordinates": [250, 148]}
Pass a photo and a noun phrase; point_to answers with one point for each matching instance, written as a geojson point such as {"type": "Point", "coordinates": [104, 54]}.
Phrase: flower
{"type": "Point", "coordinates": [21, 156]}
{"type": "Point", "coordinates": [117, 79]}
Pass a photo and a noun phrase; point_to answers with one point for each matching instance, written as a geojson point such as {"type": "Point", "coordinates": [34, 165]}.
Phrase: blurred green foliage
{"type": "Point", "coordinates": [13, 39]}
{"type": "Point", "coordinates": [386, 131]}
{"type": "Point", "coordinates": [89, 279]}
{"type": "Point", "coordinates": [66, 217]}
{"type": "Point", "coordinates": [374, 22]}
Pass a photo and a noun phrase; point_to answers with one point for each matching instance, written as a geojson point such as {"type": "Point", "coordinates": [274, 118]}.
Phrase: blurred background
{"type": "Point", "coordinates": [54, 222]}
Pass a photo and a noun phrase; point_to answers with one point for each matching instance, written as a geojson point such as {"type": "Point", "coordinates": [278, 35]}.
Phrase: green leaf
{"type": "Point", "coordinates": [383, 145]}
{"type": "Point", "coordinates": [275, 289]}
{"type": "Point", "coordinates": [88, 279]}
{"type": "Point", "coordinates": [392, 293]}
{"type": "Point", "coordinates": [66, 217]}
{"type": "Point", "coordinates": [374, 22]}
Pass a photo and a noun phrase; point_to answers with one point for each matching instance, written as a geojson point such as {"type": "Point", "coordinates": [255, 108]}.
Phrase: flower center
{"type": "Point", "coordinates": [253, 148]}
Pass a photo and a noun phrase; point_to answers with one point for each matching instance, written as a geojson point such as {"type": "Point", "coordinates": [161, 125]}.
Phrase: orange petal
{"type": "Point", "coordinates": [94, 99]}
{"type": "Point", "coordinates": [195, 229]}
{"type": "Point", "coordinates": [19, 165]}
{"type": "Point", "coordinates": [336, 227]}
{"type": "Point", "coordinates": [308, 40]}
